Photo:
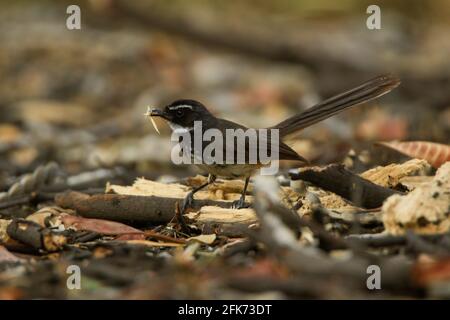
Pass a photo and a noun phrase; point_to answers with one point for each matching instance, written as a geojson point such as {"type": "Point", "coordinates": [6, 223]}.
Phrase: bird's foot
{"type": "Point", "coordinates": [240, 204]}
{"type": "Point", "coordinates": [187, 202]}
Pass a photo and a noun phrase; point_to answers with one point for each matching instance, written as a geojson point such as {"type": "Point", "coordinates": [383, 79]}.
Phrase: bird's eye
{"type": "Point", "coordinates": [180, 113]}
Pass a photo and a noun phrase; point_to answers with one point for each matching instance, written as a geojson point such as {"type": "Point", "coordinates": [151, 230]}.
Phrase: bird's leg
{"type": "Point", "coordinates": [187, 202]}
{"type": "Point", "coordinates": [239, 204]}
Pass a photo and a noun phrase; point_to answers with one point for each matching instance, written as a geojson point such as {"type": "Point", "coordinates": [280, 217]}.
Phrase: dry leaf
{"type": "Point", "coordinates": [204, 238]}
{"type": "Point", "coordinates": [98, 225]}
{"type": "Point", "coordinates": [435, 153]}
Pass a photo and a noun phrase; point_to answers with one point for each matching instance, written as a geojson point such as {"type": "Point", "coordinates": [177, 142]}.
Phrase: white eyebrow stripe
{"type": "Point", "coordinates": [180, 107]}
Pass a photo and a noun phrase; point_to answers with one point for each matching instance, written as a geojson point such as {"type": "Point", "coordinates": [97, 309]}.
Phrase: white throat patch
{"type": "Point", "coordinates": [179, 129]}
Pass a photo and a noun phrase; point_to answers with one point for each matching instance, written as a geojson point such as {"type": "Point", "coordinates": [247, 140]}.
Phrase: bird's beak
{"type": "Point", "coordinates": [156, 113]}
{"type": "Point", "coordinates": [153, 112]}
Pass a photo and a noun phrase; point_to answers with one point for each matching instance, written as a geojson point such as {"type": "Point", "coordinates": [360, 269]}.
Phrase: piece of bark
{"type": "Point", "coordinates": [228, 222]}
{"type": "Point", "coordinates": [337, 179]}
{"type": "Point", "coordinates": [119, 207]}
{"type": "Point", "coordinates": [34, 235]}
{"type": "Point", "coordinates": [413, 182]}
{"type": "Point", "coordinates": [219, 190]}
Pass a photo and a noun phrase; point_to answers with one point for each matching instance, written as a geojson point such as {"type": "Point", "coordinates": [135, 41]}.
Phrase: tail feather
{"type": "Point", "coordinates": [367, 91]}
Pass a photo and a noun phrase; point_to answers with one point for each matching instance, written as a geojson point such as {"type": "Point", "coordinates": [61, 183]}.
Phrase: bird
{"type": "Point", "coordinates": [182, 114]}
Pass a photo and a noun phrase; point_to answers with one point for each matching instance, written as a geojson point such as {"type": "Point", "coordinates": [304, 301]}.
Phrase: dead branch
{"type": "Point", "coordinates": [34, 235]}
{"type": "Point", "coordinates": [120, 207]}
{"type": "Point", "coordinates": [337, 179]}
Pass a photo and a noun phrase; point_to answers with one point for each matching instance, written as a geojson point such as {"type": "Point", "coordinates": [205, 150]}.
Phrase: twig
{"type": "Point", "coordinates": [158, 236]}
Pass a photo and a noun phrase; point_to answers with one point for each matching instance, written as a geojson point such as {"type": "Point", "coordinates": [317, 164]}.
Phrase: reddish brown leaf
{"type": "Point", "coordinates": [426, 273]}
{"type": "Point", "coordinates": [435, 153]}
{"type": "Point", "coordinates": [98, 225]}
{"type": "Point", "coordinates": [131, 236]}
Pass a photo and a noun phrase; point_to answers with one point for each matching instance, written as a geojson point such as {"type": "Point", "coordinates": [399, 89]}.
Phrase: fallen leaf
{"type": "Point", "coordinates": [98, 225]}
{"type": "Point", "coordinates": [204, 238]}
{"type": "Point", "coordinates": [131, 236]}
{"type": "Point", "coordinates": [435, 153]}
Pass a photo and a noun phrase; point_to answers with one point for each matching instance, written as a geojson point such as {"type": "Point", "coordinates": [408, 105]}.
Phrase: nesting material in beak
{"type": "Point", "coordinates": [150, 114]}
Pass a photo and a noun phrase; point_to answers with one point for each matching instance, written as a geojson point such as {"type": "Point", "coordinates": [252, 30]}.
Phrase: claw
{"type": "Point", "coordinates": [239, 204]}
{"type": "Point", "coordinates": [187, 202]}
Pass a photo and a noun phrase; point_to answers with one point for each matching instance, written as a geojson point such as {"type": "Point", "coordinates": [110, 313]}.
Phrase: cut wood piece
{"type": "Point", "coordinates": [426, 209]}
{"type": "Point", "coordinates": [412, 183]}
{"type": "Point", "coordinates": [229, 222]}
{"type": "Point", "coordinates": [143, 187]}
{"type": "Point", "coordinates": [337, 179]}
{"type": "Point", "coordinates": [222, 215]}
{"type": "Point", "coordinates": [391, 175]}
{"type": "Point", "coordinates": [227, 186]}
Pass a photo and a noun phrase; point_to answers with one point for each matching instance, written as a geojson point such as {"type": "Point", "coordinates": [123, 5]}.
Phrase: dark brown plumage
{"type": "Point", "coordinates": [181, 115]}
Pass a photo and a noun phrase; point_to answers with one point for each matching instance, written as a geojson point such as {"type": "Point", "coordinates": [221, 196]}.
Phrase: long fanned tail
{"type": "Point", "coordinates": [367, 91]}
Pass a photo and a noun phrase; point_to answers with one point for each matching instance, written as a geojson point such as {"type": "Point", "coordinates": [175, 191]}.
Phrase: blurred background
{"type": "Point", "coordinates": [77, 97]}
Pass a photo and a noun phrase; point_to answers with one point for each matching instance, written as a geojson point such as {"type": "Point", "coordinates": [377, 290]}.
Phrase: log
{"type": "Point", "coordinates": [121, 207]}
{"type": "Point", "coordinates": [337, 179]}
